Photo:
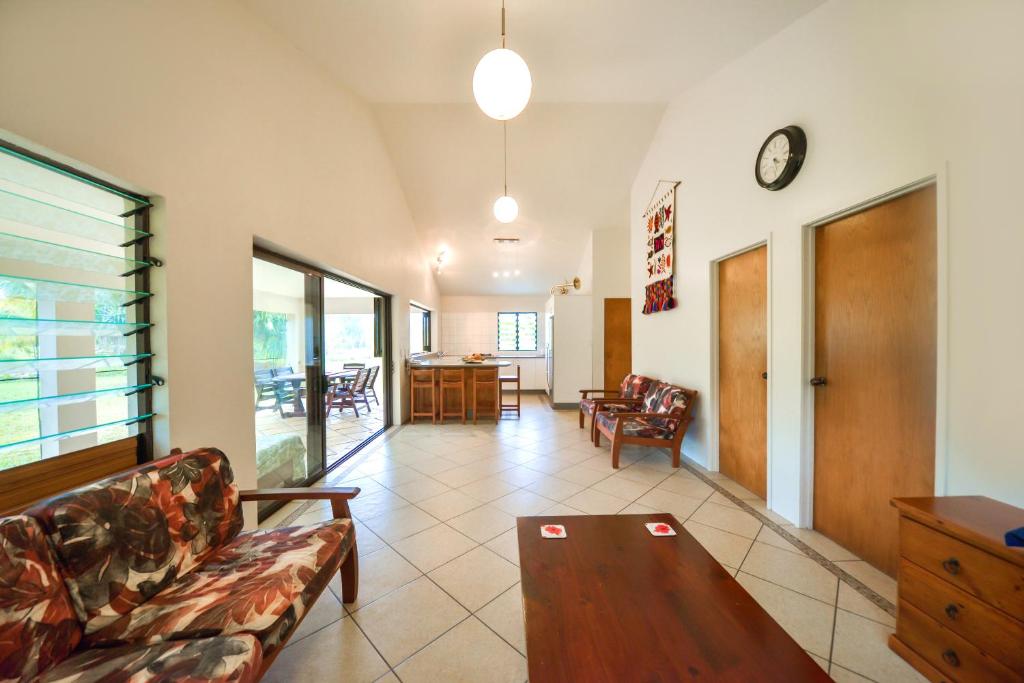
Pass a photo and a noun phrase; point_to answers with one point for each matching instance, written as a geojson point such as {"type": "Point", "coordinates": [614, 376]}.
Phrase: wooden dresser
{"type": "Point", "coordinates": [961, 589]}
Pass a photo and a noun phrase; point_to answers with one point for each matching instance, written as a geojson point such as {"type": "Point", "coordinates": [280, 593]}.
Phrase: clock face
{"type": "Point", "coordinates": [774, 158]}
{"type": "Point", "coordinates": [780, 158]}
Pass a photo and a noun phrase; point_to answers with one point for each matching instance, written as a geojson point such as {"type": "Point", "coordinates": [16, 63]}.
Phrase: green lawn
{"type": "Point", "coordinates": [19, 425]}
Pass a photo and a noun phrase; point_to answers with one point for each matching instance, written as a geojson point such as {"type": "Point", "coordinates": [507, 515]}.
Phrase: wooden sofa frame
{"type": "Point", "coordinates": [618, 437]}
{"type": "Point", "coordinates": [339, 497]}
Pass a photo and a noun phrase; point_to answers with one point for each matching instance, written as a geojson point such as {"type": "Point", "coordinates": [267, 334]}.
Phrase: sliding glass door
{"type": "Point", "coordinates": [356, 399]}
{"type": "Point", "coordinates": [286, 367]}
{"type": "Point", "coordinates": [320, 370]}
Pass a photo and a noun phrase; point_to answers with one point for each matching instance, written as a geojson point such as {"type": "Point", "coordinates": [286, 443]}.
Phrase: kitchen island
{"type": "Point", "coordinates": [486, 398]}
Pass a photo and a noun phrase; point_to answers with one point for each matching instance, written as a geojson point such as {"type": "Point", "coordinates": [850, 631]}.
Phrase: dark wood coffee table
{"type": "Point", "coordinates": [613, 603]}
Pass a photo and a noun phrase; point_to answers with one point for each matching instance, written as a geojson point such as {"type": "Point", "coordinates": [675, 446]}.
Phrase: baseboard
{"type": "Point", "coordinates": [565, 406]}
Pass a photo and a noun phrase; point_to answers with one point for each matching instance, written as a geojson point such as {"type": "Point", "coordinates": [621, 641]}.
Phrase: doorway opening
{"type": "Point", "coordinates": [321, 370]}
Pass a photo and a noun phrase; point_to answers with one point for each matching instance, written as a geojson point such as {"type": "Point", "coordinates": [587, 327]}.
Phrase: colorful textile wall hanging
{"type": "Point", "coordinates": [659, 221]}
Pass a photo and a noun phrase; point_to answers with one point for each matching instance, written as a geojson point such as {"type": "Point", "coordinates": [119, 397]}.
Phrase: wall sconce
{"type": "Point", "coordinates": [441, 261]}
{"type": "Point", "coordinates": [563, 288]}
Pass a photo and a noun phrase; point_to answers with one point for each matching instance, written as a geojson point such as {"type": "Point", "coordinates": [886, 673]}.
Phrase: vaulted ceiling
{"type": "Point", "coordinates": [602, 70]}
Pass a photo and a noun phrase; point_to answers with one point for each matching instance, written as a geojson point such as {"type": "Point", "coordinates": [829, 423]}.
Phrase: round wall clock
{"type": "Point", "coordinates": [780, 158]}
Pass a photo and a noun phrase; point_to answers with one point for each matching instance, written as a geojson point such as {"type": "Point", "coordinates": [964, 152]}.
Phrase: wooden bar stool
{"type": "Point", "coordinates": [422, 380]}
{"type": "Point", "coordinates": [453, 380]}
{"type": "Point", "coordinates": [484, 378]}
{"type": "Point", "coordinates": [511, 379]}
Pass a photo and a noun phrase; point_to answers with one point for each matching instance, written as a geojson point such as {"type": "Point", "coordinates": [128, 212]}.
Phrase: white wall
{"type": "Point", "coordinates": [611, 281]}
{"type": "Point", "coordinates": [888, 93]}
{"type": "Point", "coordinates": [239, 137]}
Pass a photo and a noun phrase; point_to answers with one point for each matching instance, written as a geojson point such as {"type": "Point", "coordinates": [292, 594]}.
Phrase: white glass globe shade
{"type": "Point", "coordinates": [506, 209]}
{"type": "Point", "coordinates": [502, 84]}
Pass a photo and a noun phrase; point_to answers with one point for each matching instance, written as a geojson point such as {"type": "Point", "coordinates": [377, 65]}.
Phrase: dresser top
{"type": "Point", "coordinates": [978, 520]}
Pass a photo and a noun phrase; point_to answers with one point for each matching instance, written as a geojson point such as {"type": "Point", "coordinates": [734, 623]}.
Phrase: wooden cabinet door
{"type": "Point", "coordinates": [742, 360]}
{"type": "Point", "coordinates": [875, 329]}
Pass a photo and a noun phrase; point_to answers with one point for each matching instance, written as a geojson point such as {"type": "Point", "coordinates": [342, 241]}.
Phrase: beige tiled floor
{"type": "Point", "coordinates": [439, 596]}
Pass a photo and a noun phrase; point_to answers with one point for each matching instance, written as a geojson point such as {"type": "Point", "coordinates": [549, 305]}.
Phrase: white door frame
{"type": "Point", "coordinates": [713, 394]}
{"type": "Point", "coordinates": [940, 180]}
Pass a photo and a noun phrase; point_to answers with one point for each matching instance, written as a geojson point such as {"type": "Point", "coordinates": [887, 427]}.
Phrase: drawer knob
{"type": "Point", "coordinates": [952, 565]}
{"type": "Point", "coordinates": [949, 656]}
{"type": "Point", "coordinates": [952, 611]}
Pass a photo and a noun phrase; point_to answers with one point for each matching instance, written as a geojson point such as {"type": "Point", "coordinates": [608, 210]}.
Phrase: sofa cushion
{"type": "Point", "coordinates": [260, 583]}
{"type": "Point", "coordinates": [666, 399]}
{"type": "Point", "coordinates": [634, 386]}
{"type": "Point", "coordinates": [38, 627]}
{"type": "Point", "coordinates": [589, 406]}
{"type": "Point", "coordinates": [216, 660]}
{"type": "Point", "coordinates": [633, 426]}
{"type": "Point", "coordinates": [122, 540]}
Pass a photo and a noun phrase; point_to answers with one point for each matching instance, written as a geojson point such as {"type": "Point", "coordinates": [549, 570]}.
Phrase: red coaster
{"type": "Point", "coordinates": [660, 529]}
{"type": "Point", "coordinates": [553, 531]}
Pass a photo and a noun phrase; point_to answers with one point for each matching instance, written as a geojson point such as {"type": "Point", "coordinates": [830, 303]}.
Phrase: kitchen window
{"type": "Point", "coordinates": [419, 329]}
{"type": "Point", "coordinates": [517, 331]}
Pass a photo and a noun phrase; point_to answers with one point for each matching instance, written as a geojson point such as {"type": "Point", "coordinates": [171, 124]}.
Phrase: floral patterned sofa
{"type": "Point", "coordinates": [148, 576]}
{"type": "Point", "coordinates": [631, 391]}
{"type": "Point", "coordinates": [659, 419]}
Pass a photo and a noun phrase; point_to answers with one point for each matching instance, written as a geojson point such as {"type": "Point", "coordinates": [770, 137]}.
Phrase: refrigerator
{"type": "Point", "coordinates": [568, 348]}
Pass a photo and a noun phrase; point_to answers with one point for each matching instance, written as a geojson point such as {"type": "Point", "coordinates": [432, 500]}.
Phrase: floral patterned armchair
{"type": "Point", "coordinates": [630, 395]}
{"type": "Point", "coordinates": [148, 576]}
{"type": "Point", "coordinates": [664, 415]}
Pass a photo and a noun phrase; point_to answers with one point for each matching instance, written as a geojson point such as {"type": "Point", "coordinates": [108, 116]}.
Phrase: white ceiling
{"type": "Point", "coordinates": [602, 71]}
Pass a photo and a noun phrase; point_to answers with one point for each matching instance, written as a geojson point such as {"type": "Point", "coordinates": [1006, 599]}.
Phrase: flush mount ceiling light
{"type": "Point", "coordinates": [506, 209]}
{"type": "Point", "coordinates": [501, 81]}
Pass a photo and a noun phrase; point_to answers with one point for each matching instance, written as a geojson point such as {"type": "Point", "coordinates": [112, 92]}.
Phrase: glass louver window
{"type": "Point", "coordinates": [517, 331]}
{"type": "Point", "coordinates": [74, 310]}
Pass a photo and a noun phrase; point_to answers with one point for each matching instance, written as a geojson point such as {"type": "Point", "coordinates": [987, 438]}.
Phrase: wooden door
{"type": "Point", "coordinates": [875, 326]}
{"type": "Point", "coordinates": [742, 360]}
{"type": "Point", "coordinates": [618, 344]}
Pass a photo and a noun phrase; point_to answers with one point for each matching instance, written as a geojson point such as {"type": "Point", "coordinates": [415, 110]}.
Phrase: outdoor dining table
{"type": "Point", "coordinates": [296, 379]}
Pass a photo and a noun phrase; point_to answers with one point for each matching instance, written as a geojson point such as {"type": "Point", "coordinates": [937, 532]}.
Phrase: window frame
{"type": "Point", "coordinates": [427, 313]}
{"type": "Point", "coordinates": [142, 442]}
{"type": "Point", "coordinates": [517, 314]}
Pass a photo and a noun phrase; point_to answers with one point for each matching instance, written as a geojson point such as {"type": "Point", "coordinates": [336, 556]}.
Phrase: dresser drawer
{"type": "Point", "coordinates": [946, 651]}
{"type": "Point", "coordinates": [971, 569]}
{"type": "Point", "coordinates": [979, 623]}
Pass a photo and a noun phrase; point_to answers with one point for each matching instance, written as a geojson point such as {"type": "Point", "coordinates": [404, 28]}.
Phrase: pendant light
{"type": "Point", "coordinates": [501, 81]}
{"type": "Point", "coordinates": [506, 209]}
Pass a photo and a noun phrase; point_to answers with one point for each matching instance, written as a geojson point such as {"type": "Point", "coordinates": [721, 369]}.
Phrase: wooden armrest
{"type": "Point", "coordinates": [602, 401]}
{"type": "Point", "coordinates": [663, 416]}
{"type": "Point", "coordinates": [311, 493]}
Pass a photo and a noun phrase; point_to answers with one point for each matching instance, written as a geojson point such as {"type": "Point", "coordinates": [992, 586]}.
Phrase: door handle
{"type": "Point", "coordinates": [764, 375]}
{"type": "Point", "coordinates": [818, 381]}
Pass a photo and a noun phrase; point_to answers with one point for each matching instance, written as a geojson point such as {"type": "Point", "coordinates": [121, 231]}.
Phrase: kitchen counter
{"type": "Point", "coordinates": [457, 402]}
{"type": "Point", "coordinates": [456, 362]}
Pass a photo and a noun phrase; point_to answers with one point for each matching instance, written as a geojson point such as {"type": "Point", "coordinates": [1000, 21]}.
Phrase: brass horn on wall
{"type": "Point", "coordinates": [563, 288]}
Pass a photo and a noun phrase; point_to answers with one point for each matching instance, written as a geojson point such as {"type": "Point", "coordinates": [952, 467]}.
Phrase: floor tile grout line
{"type": "Point", "coordinates": [810, 552]}
{"type": "Point", "coordinates": [835, 625]}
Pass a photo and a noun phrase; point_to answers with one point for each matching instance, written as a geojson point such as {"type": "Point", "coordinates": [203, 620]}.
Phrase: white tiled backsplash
{"type": "Point", "coordinates": [476, 332]}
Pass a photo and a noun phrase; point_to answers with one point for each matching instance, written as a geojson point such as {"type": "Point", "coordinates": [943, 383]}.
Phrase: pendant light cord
{"type": "Point", "coordinates": [502, 23]}
{"type": "Point", "coordinates": [504, 129]}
